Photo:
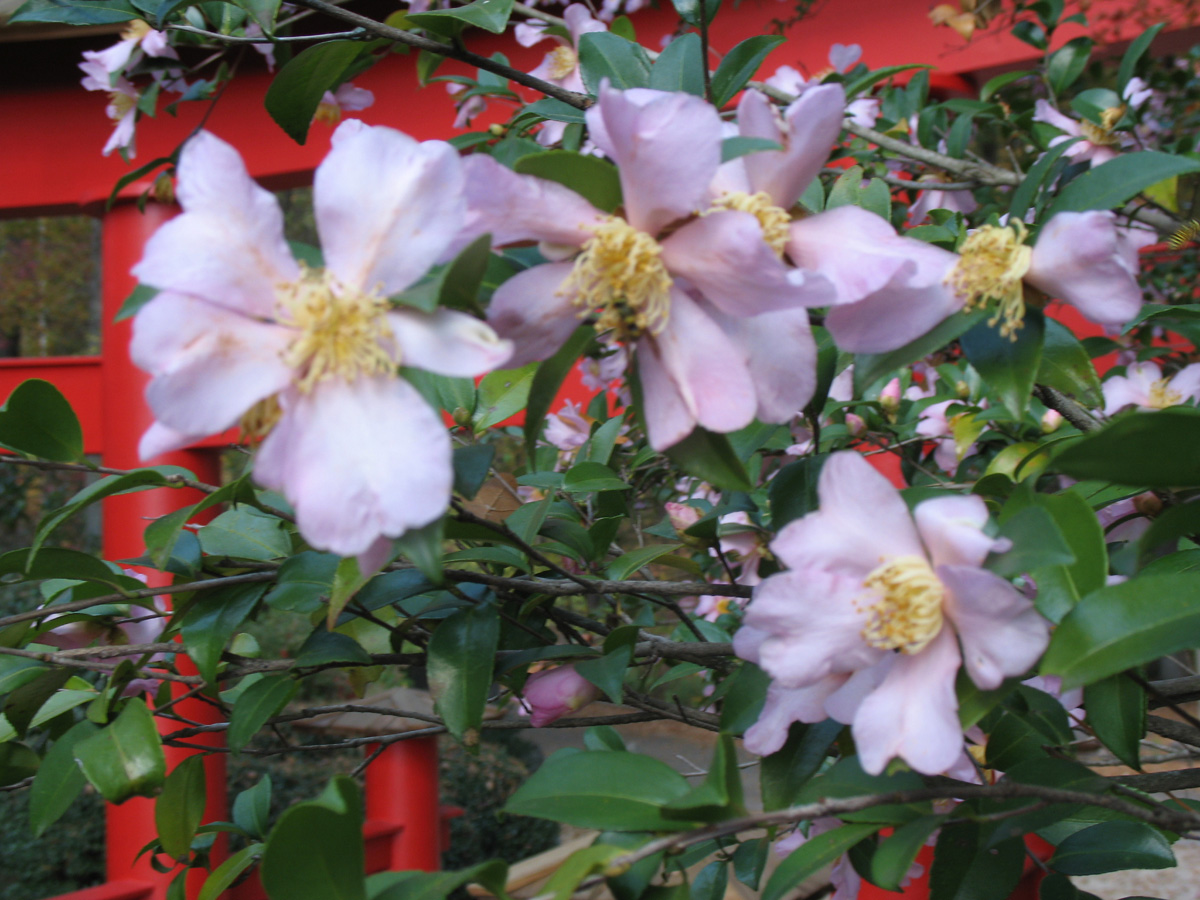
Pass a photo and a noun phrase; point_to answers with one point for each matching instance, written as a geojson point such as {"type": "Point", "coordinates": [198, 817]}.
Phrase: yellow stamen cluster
{"type": "Point", "coordinates": [909, 615]}
{"type": "Point", "coordinates": [342, 331]}
{"type": "Point", "coordinates": [327, 113]}
{"type": "Point", "coordinates": [773, 220]}
{"type": "Point", "coordinates": [260, 419]}
{"type": "Point", "coordinates": [620, 275]}
{"type": "Point", "coordinates": [1161, 395]}
{"type": "Point", "coordinates": [1103, 133]}
{"type": "Point", "coordinates": [135, 30]}
{"type": "Point", "coordinates": [119, 104]}
{"type": "Point", "coordinates": [993, 261]}
{"type": "Point", "coordinates": [562, 62]}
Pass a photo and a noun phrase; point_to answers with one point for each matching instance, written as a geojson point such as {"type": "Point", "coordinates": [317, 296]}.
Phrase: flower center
{"type": "Point", "coordinates": [119, 105]}
{"type": "Point", "coordinates": [342, 331]}
{"type": "Point", "coordinates": [1161, 395]}
{"type": "Point", "coordinates": [620, 275]}
{"type": "Point", "coordinates": [259, 419]}
{"type": "Point", "coordinates": [773, 220]}
{"type": "Point", "coordinates": [1103, 133]}
{"type": "Point", "coordinates": [136, 30]}
{"type": "Point", "coordinates": [993, 262]}
{"type": "Point", "coordinates": [327, 113]}
{"type": "Point", "coordinates": [909, 615]}
{"type": "Point", "coordinates": [562, 62]}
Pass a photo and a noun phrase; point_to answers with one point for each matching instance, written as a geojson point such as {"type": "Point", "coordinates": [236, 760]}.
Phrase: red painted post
{"type": "Point", "coordinates": [402, 789]}
{"type": "Point", "coordinates": [130, 826]}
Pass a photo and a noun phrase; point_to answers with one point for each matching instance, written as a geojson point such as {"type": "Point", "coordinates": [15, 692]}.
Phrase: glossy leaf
{"type": "Point", "coordinates": [502, 393]}
{"type": "Point", "coordinates": [964, 866]}
{"type": "Point", "coordinates": [869, 368]}
{"type": "Point", "coordinates": [252, 807]}
{"type": "Point", "coordinates": [224, 875]}
{"type": "Point", "coordinates": [1112, 183]}
{"type": "Point", "coordinates": [1008, 366]}
{"type": "Point", "coordinates": [547, 381]}
{"type": "Point", "coordinates": [604, 55]}
{"type": "Point", "coordinates": [93, 12]}
{"type": "Point", "coordinates": [315, 851]}
{"type": "Point", "coordinates": [787, 770]}
{"type": "Point", "coordinates": [297, 89]}
{"type": "Point", "coordinates": [696, 12]}
{"type": "Point", "coordinates": [1116, 710]}
{"type": "Point", "coordinates": [1144, 449]}
{"type": "Point", "coordinates": [1084, 536]}
{"type": "Point", "coordinates": [812, 855]}
{"type": "Point", "coordinates": [490, 15]}
{"type": "Point", "coordinates": [460, 668]}
{"type": "Point", "coordinates": [894, 857]}
{"type": "Point", "coordinates": [608, 672]}
{"type": "Point", "coordinates": [304, 581]}
{"type": "Point", "coordinates": [719, 795]}
{"type": "Point", "coordinates": [256, 704]}
{"type": "Point", "coordinates": [1067, 63]}
{"type": "Point", "coordinates": [1112, 846]}
{"type": "Point", "coordinates": [739, 65]}
{"type": "Point", "coordinates": [126, 758]}
{"type": "Point", "coordinates": [1037, 542]}
{"type": "Point", "coordinates": [37, 420]}
{"type": "Point", "coordinates": [1137, 49]}
{"type": "Point", "coordinates": [680, 66]}
{"type": "Point", "coordinates": [1065, 366]}
{"type": "Point", "coordinates": [59, 779]}
{"type": "Point", "coordinates": [245, 533]}
{"type": "Point", "coordinates": [587, 477]}
{"type": "Point", "coordinates": [710, 458]}
{"type": "Point", "coordinates": [212, 619]}
{"type": "Point", "coordinates": [180, 807]}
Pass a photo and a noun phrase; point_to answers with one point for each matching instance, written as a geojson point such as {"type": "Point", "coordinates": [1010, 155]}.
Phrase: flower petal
{"type": "Point", "coordinates": [667, 146]}
{"type": "Point", "coordinates": [228, 246]}
{"type": "Point", "coordinates": [668, 418]}
{"type": "Point", "coordinates": [209, 365]}
{"type": "Point", "coordinates": [913, 714]}
{"type": "Point", "coordinates": [862, 520]}
{"type": "Point", "coordinates": [785, 706]}
{"type": "Point", "coordinates": [533, 309]}
{"type": "Point", "coordinates": [782, 356]}
{"type": "Point", "coordinates": [514, 207]}
{"type": "Point", "coordinates": [725, 257]}
{"type": "Point", "coordinates": [160, 439]}
{"type": "Point", "coordinates": [895, 315]}
{"type": "Point", "coordinates": [952, 529]}
{"type": "Point", "coordinates": [814, 122]}
{"type": "Point", "coordinates": [1186, 382]}
{"type": "Point", "coordinates": [1132, 387]}
{"type": "Point", "coordinates": [358, 461]}
{"type": "Point", "coordinates": [1001, 632]}
{"type": "Point", "coordinates": [386, 205]}
{"type": "Point", "coordinates": [1080, 259]}
{"type": "Point", "coordinates": [447, 342]}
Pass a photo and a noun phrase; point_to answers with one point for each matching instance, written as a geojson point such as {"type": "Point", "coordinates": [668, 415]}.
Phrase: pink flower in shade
{"type": "Point", "coordinates": [1099, 143]}
{"type": "Point", "coordinates": [1144, 386]}
{"type": "Point", "coordinates": [561, 65]}
{"type": "Point", "coordinates": [599, 374]}
{"type": "Point", "coordinates": [347, 98]}
{"type": "Point", "coordinates": [567, 429]}
{"type": "Point", "coordinates": [553, 693]}
{"type": "Point", "coordinates": [866, 626]}
{"type": "Point", "coordinates": [307, 358]}
{"type": "Point", "coordinates": [714, 315]}
{"type": "Point", "coordinates": [468, 108]}
{"type": "Point", "coordinates": [137, 40]}
{"type": "Point", "coordinates": [935, 423]}
{"type": "Point", "coordinates": [892, 290]}
{"type": "Point", "coordinates": [932, 198]}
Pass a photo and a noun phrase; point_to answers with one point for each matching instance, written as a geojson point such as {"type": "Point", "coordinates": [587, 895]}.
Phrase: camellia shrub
{"type": "Point", "coordinates": [848, 491]}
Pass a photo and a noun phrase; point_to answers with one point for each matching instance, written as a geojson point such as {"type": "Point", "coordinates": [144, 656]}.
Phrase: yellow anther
{"type": "Point", "coordinates": [136, 30]}
{"type": "Point", "coordinates": [343, 332]}
{"type": "Point", "coordinates": [620, 275]}
{"type": "Point", "coordinates": [563, 62]}
{"type": "Point", "coordinates": [119, 105]}
{"type": "Point", "coordinates": [773, 220]}
{"type": "Point", "coordinates": [909, 614]}
{"type": "Point", "coordinates": [1161, 395]}
{"type": "Point", "coordinates": [1103, 133]}
{"type": "Point", "coordinates": [993, 261]}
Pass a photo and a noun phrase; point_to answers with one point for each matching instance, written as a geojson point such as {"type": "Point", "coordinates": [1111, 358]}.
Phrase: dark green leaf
{"type": "Point", "coordinates": [294, 95]}
{"type": "Point", "coordinates": [719, 795]}
{"type": "Point", "coordinates": [92, 12]}
{"type": "Point", "coordinates": [252, 807]}
{"type": "Point", "coordinates": [1136, 50]}
{"type": "Point", "coordinates": [263, 12]}
{"type": "Point", "coordinates": [811, 856]}
{"type": "Point", "coordinates": [490, 15]}
{"type": "Point", "coordinates": [1118, 180]}
{"type": "Point", "coordinates": [734, 147]}
{"type": "Point", "coordinates": [471, 465]}
{"type": "Point", "coordinates": [1036, 542]}
{"type": "Point", "coordinates": [492, 874]}
{"type": "Point", "coordinates": [739, 65]}
{"type": "Point", "coordinates": [744, 696]}
{"type": "Point", "coordinates": [869, 368]}
{"type": "Point", "coordinates": [126, 758]}
{"type": "Point", "coordinates": [554, 109]}
{"type": "Point", "coordinates": [1084, 536]}
{"type": "Point", "coordinates": [1144, 449]}
{"type": "Point", "coordinates": [608, 672]}
{"type": "Point", "coordinates": [245, 533]}
{"type": "Point", "coordinates": [315, 851]}
{"type": "Point", "coordinates": [966, 868]}
{"type": "Point", "coordinates": [1112, 846]}
{"type": "Point", "coordinates": [180, 807]}
{"type": "Point", "coordinates": [224, 875]}
{"type": "Point", "coordinates": [793, 491]}
{"type": "Point", "coordinates": [787, 770]}
{"type": "Point", "coordinates": [710, 458]}
{"type": "Point", "coordinates": [423, 548]}
{"type": "Point", "coordinates": [680, 67]}
{"type": "Point", "coordinates": [212, 619]}
{"type": "Point", "coordinates": [23, 703]}
{"type": "Point", "coordinates": [1065, 365]}
{"type": "Point", "coordinates": [38, 420]}
{"type": "Point", "coordinates": [595, 179]}
{"type": "Point", "coordinates": [548, 380]}
{"type": "Point", "coordinates": [304, 581]}
{"type": "Point", "coordinates": [17, 762]}
{"type": "Point", "coordinates": [696, 12]}
{"type": "Point", "coordinates": [586, 477]}
{"type": "Point", "coordinates": [139, 297]}
{"type": "Point", "coordinates": [256, 704]}
{"type": "Point", "coordinates": [711, 881]}
{"type": "Point", "coordinates": [57, 562]}
{"type": "Point", "coordinates": [628, 563]}
{"type": "Point", "coordinates": [606, 55]}
{"type": "Point", "coordinates": [1022, 197]}
{"type": "Point", "coordinates": [1067, 63]}
{"type": "Point", "coordinates": [894, 857]}
{"type": "Point", "coordinates": [59, 779]}
{"type": "Point", "coordinates": [460, 668]}
{"type": "Point", "coordinates": [862, 82]}
{"type": "Point", "coordinates": [1008, 366]}
{"type": "Point", "coordinates": [1116, 710]}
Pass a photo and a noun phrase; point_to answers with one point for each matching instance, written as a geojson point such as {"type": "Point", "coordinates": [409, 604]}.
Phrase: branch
{"type": "Point", "coordinates": [171, 480]}
{"type": "Point", "coordinates": [357, 34]}
{"type": "Point", "coordinates": [582, 586]}
{"type": "Point", "coordinates": [1176, 731]}
{"type": "Point", "coordinates": [1073, 412]}
{"type": "Point", "coordinates": [60, 658]}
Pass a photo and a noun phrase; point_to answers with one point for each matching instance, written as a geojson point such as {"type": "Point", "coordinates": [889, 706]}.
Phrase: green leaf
{"type": "Point", "coordinates": [551, 108]}
{"type": "Point", "coordinates": [502, 394]}
{"type": "Point", "coordinates": [17, 762]}
{"type": "Point", "coordinates": [787, 770]}
{"type": "Point", "coordinates": [739, 65]}
{"type": "Point", "coordinates": [1066, 366]}
{"type": "Point", "coordinates": [423, 548]}
{"type": "Point", "coordinates": [812, 855]}
{"type": "Point", "coordinates": [443, 391]}
{"type": "Point", "coordinates": [1036, 542]}
{"type": "Point", "coordinates": [1116, 710]}
{"type": "Point", "coordinates": [180, 807]}
{"type": "Point", "coordinates": [323, 647]}
{"type": "Point", "coordinates": [260, 701]}
{"type": "Point", "coordinates": [793, 491]}
{"type": "Point", "coordinates": [710, 458]}
{"type": "Point", "coordinates": [224, 875]}
{"type": "Point", "coordinates": [1136, 51]}
{"type": "Point", "coordinates": [893, 858]}
{"type": "Point", "coordinates": [139, 297]}
{"type": "Point", "coordinates": [608, 672]}
{"type": "Point", "coordinates": [606, 55]}
{"type": "Point", "coordinates": [680, 67]}
{"type": "Point", "coordinates": [471, 466]}
{"type": "Point", "coordinates": [252, 807]}
{"type": "Point", "coordinates": [1008, 366]}
{"type": "Point", "coordinates": [965, 867]}
{"type": "Point", "coordinates": [245, 533]}
{"type": "Point", "coordinates": [1022, 197]}
{"type": "Point", "coordinates": [745, 692]}
{"type": "Point", "coordinates": [263, 12]}
{"type": "Point", "coordinates": [1067, 63]}
{"type": "Point", "coordinates": [711, 882]}
{"type": "Point", "coordinates": [1000, 81]}
{"type": "Point", "coordinates": [490, 15]}
{"type": "Point", "coordinates": [126, 758]}
{"type": "Point", "coordinates": [606, 790]}
{"type": "Point", "coordinates": [849, 190]}
{"type": "Point", "coordinates": [1084, 536]}
{"type": "Point", "coordinates": [57, 562]}
{"type": "Point", "coordinates": [212, 619]}
{"type": "Point", "coordinates": [93, 12]}
{"type": "Point", "coordinates": [733, 147]}
{"type": "Point", "coordinates": [548, 380]}
{"type": "Point", "coordinates": [594, 179]}
{"type": "Point", "coordinates": [587, 477]}
{"type": "Point", "coordinates": [461, 652]}
{"type": "Point", "coordinates": [860, 84]}
{"type": "Point", "coordinates": [303, 581]}
{"type": "Point", "coordinates": [1125, 625]}
{"type": "Point", "coordinates": [315, 851]}
{"type": "Point", "coordinates": [37, 420]}
{"type": "Point", "coordinates": [719, 795]}
{"type": "Point", "coordinates": [455, 285]}
{"type": "Point", "coordinates": [696, 13]}
{"type": "Point", "coordinates": [870, 367]}
{"type": "Point", "coordinates": [296, 92]}
{"type": "Point", "coordinates": [24, 703]}
{"type": "Point", "coordinates": [1144, 449]}
{"type": "Point", "coordinates": [59, 779]}
{"type": "Point", "coordinates": [492, 874]}
{"type": "Point", "coordinates": [628, 563]}
{"type": "Point", "coordinates": [1109, 185]}
{"type": "Point", "coordinates": [1112, 846]}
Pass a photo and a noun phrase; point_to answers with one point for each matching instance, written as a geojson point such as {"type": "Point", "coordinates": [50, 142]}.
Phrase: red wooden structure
{"type": "Point", "coordinates": [49, 153]}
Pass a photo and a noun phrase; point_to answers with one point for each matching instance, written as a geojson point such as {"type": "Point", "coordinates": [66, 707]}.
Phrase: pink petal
{"type": "Point", "coordinates": [358, 461]}
{"type": "Point", "coordinates": [160, 439]}
{"type": "Point", "coordinates": [580, 22]}
{"type": "Point", "coordinates": [386, 206]}
{"type": "Point", "coordinates": [842, 705]}
{"type": "Point", "coordinates": [228, 247]}
{"type": "Point", "coordinates": [447, 342]}
{"type": "Point", "coordinates": [209, 365]}
{"type": "Point", "coordinates": [952, 529]}
{"type": "Point", "coordinates": [667, 146]}
{"type": "Point", "coordinates": [1132, 387]}
{"type": "Point", "coordinates": [913, 714]}
{"type": "Point", "coordinates": [668, 419]}
{"type": "Point", "coordinates": [707, 368]}
{"type": "Point", "coordinates": [785, 706]}
{"type": "Point", "coordinates": [1186, 382]}
{"type": "Point", "coordinates": [514, 207]}
{"type": "Point", "coordinates": [725, 257]}
{"type": "Point", "coordinates": [814, 122]}
{"type": "Point", "coordinates": [1044, 112]}
{"type": "Point", "coordinates": [782, 356]}
{"type": "Point", "coordinates": [533, 309]}
{"type": "Point", "coordinates": [1001, 632]}
{"type": "Point", "coordinates": [862, 521]}
{"type": "Point", "coordinates": [1079, 258]}
{"type": "Point", "coordinates": [890, 318]}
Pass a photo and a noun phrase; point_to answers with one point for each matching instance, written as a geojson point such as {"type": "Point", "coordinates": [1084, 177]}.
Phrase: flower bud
{"type": "Point", "coordinates": [551, 694]}
{"type": "Point", "coordinates": [962, 390]}
{"type": "Point", "coordinates": [1051, 421]}
{"type": "Point", "coordinates": [461, 416]}
{"type": "Point", "coordinates": [889, 398]}
{"type": "Point", "coordinates": [1148, 504]}
{"type": "Point", "coordinates": [164, 188]}
{"type": "Point", "coordinates": [855, 425]}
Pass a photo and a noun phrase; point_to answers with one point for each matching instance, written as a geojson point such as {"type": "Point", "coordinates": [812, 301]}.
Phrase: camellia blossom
{"type": "Point", "coordinates": [553, 693]}
{"type": "Point", "coordinates": [692, 285]}
{"type": "Point", "coordinates": [561, 65]}
{"type": "Point", "coordinates": [1144, 386]}
{"type": "Point", "coordinates": [935, 424]}
{"type": "Point", "coordinates": [867, 624]}
{"type": "Point", "coordinates": [1099, 142]}
{"type": "Point", "coordinates": [307, 358]}
{"type": "Point", "coordinates": [347, 98]}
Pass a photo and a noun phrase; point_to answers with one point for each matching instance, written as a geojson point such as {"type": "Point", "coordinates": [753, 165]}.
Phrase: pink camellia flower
{"type": "Point", "coordinates": [567, 429]}
{"type": "Point", "coordinates": [934, 423]}
{"type": "Point", "coordinates": [933, 198]}
{"type": "Point", "coordinates": [307, 358]}
{"type": "Point", "coordinates": [137, 39]}
{"type": "Point", "coordinates": [1099, 142]}
{"type": "Point", "coordinates": [892, 289]}
{"type": "Point", "coordinates": [347, 98]}
{"type": "Point", "coordinates": [561, 65]}
{"type": "Point", "coordinates": [1144, 386]}
{"type": "Point", "coordinates": [552, 693]}
{"type": "Point", "coordinates": [599, 374]}
{"type": "Point", "coordinates": [712, 311]}
{"type": "Point", "coordinates": [867, 625]}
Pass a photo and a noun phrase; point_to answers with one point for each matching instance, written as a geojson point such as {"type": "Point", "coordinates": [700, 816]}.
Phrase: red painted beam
{"type": "Point", "coordinates": [112, 890]}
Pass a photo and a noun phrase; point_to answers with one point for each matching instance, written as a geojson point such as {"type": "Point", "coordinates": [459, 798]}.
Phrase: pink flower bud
{"type": "Point", "coordinates": [1051, 420]}
{"type": "Point", "coordinates": [553, 693]}
{"type": "Point", "coordinates": [855, 425]}
{"type": "Point", "coordinates": [682, 516]}
{"type": "Point", "coordinates": [889, 397]}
